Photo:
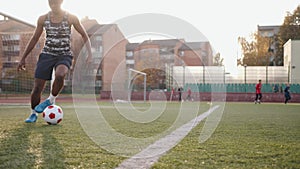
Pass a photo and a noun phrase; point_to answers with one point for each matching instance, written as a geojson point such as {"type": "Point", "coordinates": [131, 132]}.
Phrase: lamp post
{"type": "Point", "coordinates": [225, 73]}
{"type": "Point", "coordinates": [183, 76]}
{"type": "Point", "coordinates": [203, 72]}
{"type": "Point", "coordinates": [270, 56]}
{"type": "Point", "coordinates": [245, 73]}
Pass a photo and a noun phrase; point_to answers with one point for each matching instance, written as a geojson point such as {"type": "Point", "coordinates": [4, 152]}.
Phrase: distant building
{"type": "Point", "coordinates": [14, 36]}
{"type": "Point", "coordinates": [292, 61]}
{"type": "Point", "coordinates": [164, 55]}
{"type": "Point", "coordinates": [113, 55]}
{"type": "Point", "coordinates": [196, 53]}
{"type": "Point", "coordinates": [271, 32]}
{"type": "Point", "coordinates": [169, 51]}
{"type": "Point", "coordinates": [108, 47]}
{"type": "Point", "coordinates": [130, 50]}
{"type": "Point", "coordinates": [268, 31]}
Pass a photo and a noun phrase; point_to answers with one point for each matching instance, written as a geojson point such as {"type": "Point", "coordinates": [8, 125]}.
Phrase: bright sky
{"type": "Point", "coordinates": [220, 21]}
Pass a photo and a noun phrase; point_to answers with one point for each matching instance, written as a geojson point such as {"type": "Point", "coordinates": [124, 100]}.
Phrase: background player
{"type": "Point", "coordinates": [287, 93]}
{"type": "Point", "coordinates": [258, 95]}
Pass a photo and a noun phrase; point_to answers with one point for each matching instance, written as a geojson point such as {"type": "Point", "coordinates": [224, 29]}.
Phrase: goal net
{"type": "Point", "coordinates": [131, 77]}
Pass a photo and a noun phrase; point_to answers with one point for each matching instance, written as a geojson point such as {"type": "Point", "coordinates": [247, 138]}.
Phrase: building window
{"type": "Point", "coordinates": [129, 53]}
{"type": "Point", "coordinates": [10, 37]}
{"type": "Point", "coordinates": [181, 53]}
{"type": "Point", "coordinates": [164, 50]}
{"type": "Point", "coordinates": [204, 53]}
{"type": "Point", "coordinates": [12, 48]}
{"type": "Point", "coordinates": [98, 38]}
{"type": "Point", "coordinates": [130, 62]}
{"type": "Point", "coordinates": [167, 57]}
{"type": "Point", "coordinates": [98, 49]}
{"type": "Point", "coordinates": [99, 72]}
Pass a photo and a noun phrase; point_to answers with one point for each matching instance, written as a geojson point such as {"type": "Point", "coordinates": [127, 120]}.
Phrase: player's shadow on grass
{"type": "Point", "coordinates": [31, 146]}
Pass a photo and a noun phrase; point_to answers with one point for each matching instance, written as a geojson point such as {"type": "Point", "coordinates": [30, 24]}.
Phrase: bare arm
{"type": "Point", "coordinates": [34, 39]}
{"type": "Point", "coordinates": [80, 29]}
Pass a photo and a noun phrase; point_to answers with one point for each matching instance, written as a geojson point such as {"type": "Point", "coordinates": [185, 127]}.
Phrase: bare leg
{"type": "Point", "coordinates": [36, 93]}
{"type": "Point", "coordinates": [60, 73]}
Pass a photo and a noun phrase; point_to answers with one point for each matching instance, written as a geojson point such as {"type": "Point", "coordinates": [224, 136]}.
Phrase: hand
{"type": "Point", "coordinates": [21, 65]}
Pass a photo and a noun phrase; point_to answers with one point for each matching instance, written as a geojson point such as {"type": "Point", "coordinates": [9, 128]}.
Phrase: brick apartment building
{"type": "Point", "coordinates": [162, 54]}
{"type": "Point", "coordinates": [108, 47]}
{"type": "Point", "coordinates": [14, 35]}
{"type": "Point", "coordinates": [112, 53]}
{"type": "Point", "coordinates": [196, 54]}
{"type": "Point", "coordinates": [170, 51]}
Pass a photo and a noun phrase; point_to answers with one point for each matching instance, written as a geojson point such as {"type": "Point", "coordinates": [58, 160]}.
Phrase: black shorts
{"type": "Point", "coordinates": [47, 62]}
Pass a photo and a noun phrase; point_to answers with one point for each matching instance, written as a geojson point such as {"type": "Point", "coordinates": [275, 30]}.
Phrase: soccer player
{"type": "Point", "coordinates": [180, 93]}
{"type": "Point", "coordinates": [276, 88]}
{"type": "Point", "coordinates": [55, 54]}
{"type": "Point", "coordinates": [189, 97]}
{"type": "Point", "coordinates": [258, 92]}
{"type": "Point", "coordinates": [287, 93]}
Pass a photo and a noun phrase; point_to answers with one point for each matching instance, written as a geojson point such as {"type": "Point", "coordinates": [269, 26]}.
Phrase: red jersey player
{"type": "Point", "coordinates": [258, 92]}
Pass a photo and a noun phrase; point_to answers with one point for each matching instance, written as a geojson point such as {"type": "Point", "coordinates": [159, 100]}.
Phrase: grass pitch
{"type": "Point", "coordinates": [248, 136]}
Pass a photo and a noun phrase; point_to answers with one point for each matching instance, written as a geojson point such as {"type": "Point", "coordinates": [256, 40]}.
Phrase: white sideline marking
{"type": "Point", "coordinates": [147, 157]}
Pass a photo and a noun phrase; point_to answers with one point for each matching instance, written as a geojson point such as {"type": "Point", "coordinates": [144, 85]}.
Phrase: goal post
{"type": "Point", "coordinates": [130, 71]}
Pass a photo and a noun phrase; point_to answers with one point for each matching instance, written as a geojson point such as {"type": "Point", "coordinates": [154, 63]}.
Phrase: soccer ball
{"type": "Point", "coordinates": [53, 114]}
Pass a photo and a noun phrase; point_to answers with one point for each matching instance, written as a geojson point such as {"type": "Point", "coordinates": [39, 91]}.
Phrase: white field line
{"type": "Point", "coordinates": [147, 157]}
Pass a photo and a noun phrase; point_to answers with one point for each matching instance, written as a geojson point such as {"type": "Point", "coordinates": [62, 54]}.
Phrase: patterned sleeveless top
{"type": "Point", "coordinates": [58, 37]}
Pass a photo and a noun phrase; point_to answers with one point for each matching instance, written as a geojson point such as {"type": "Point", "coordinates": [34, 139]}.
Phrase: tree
{"type": "Point", "coordinates": [154, 79]}
{"type": "Point", "coordinates": [255, 52]}
{"type": "Point", "coordinates": [150, 63]}
{"type": "Point", "coordinates": [258, 51]}
{"type": "Point", "coordinates": [218, 61]}
{"type": "Point", "coordinates": [290, 29]}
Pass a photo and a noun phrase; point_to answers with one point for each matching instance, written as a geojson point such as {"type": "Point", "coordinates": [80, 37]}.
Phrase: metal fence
{"type": "Point", "coordinates": [180, 75]}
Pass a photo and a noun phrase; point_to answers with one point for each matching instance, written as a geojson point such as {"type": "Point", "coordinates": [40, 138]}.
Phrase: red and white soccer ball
{"type": "Point", "coordinates": [53, 114]}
